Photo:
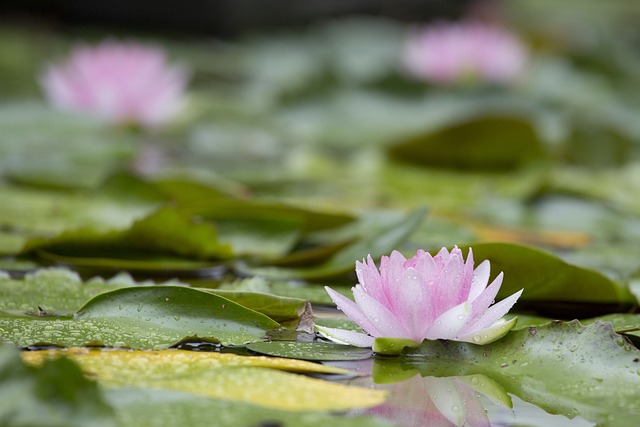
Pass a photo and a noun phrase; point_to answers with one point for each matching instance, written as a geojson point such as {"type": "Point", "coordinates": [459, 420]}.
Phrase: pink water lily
{"type": "Point", "coordinates": [119, 82]}
{"type": "Point", "coordinates": [446, 53]}
{"type": "Point", "coordinates": [424, 297]}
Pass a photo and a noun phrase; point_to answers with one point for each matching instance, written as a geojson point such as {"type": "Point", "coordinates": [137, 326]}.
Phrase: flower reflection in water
{"type": "Point", "coordinates": [440, 401]}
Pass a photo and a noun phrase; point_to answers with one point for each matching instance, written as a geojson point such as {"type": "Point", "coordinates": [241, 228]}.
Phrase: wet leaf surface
{"type": "Point", "coordinates": [144, 317]}
{"type": "Point", "coordinates": [564, 368]}
{"type": "Point", "coordinates": [310, 350]}
{"type": "Point", "coordinates": [255, 380]}
{"type": "Point", "coordinates": [54, 394]}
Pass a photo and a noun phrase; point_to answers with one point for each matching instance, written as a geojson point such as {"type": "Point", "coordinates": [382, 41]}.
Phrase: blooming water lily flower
{"type": "Point", "coordinates": [117, 82]}
{"type": "Point", "coordinates": [446, 53]}
{"type": "Point", "coordinates": [424, 297]}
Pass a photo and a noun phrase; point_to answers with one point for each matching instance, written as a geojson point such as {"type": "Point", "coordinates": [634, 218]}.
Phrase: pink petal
{"type": "Point", "coordinates": [391, 272]}
{"type": "Point", "coordinates": [370, 280]}
{"type": "Point", "coordinates": [449, 323]}
{"type": "Point", "coordinates": [352, 311]}
{"type": "Point", "coordinates": [494, 313]}
{"type": "Point", "coordinates": [481, 304]}
{"type": "Point", "coordinates": [385, 321]}
{"type": "Point", "coordinates": [450, 286]}
{"type": "Point", "coordinates": [412, 296]}
{"type": "Point", "coordinates": [480, 280]}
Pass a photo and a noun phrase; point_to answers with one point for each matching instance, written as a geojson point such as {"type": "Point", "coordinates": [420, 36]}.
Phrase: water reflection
{"type": "Point", "coordinates": [440, 401]}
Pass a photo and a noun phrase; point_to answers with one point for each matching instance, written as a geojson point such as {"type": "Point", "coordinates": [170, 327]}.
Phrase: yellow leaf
{"type": "Point", "coordinates": [257, 380]}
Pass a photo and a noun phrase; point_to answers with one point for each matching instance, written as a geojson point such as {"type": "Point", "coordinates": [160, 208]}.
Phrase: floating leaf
{"type": "Point", "coordinates": [163, 233]}
{"type": "Point", "coordinates": [545, 277]}
{"type": "Point", "coordinates": [55, 394]}
{"type": "Point", "coordinates": [144, 317]}
{"type": "Point", "coordinates": [562, 367]}
{"type": "Point", "coordinates": [276, 307]}
{"type": "Point", "coordinates": [222, 376]}
{"type": "Point", "coordinates": [489, 142]}
{"type": "Point", "coordinates": [27, 212]}
{"type": "Point", "coordinates": [310, 350]}
{"type": "Point", "coordinates": [377, 243]}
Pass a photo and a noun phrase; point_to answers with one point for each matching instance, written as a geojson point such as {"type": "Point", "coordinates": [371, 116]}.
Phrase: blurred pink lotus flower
{"type": "Point", "coordinates": [119, 82]}
{"type": "Point", "coordinates": [448, 53]}
{"type": "Point", "coordinates": [424, 297]}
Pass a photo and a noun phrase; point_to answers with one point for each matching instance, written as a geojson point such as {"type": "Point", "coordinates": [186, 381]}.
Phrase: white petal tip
{"type": "Point", "coordinates": [345, 337]}
{"type": "Point", "coordinates": [492, 333]}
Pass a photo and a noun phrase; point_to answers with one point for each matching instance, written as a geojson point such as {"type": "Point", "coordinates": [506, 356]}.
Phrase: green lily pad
{"type": "Point", "coordinates": [55, 394]}
{"type": "Point", "coordinates": [545, 277]}
{"type": "Point", "coordinates": [562, 367]}
{"type": "Point", "coordinates": [489, 142]}
{"type": "Point", "coordinates": [288, 289]}
{"type": "Point", "coordinates": [377, 243]}
{"type": "Point", "coordinates": [28, 213]}
{"type": "Point", "coordinates": [277, 308]}
{"type": "Point", "coordinates": [310, 350]}
{"type": "Point", "coordinates": [164, 232]}
{"type": "Point", "coordinates": [143, 317]}
{"type": "Point", "coordinates": [256, 380]}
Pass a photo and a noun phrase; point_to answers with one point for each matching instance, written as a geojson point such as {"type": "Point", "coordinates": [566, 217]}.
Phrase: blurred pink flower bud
{"type": "Point", "coordinates": [119, 82]}
{"type": "Point", "coordinates": [446, 53]}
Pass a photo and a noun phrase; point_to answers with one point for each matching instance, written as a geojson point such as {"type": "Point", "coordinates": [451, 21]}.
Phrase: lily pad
{"type": "Point", "coordinates": [54, 394]}
{"type": "Point", "coordinates": [562, 367]}
{"type": "Point", "coordinates": [165, 232]}
{"type": "Point", "coordinates": [143, 317]}
{"type": "Point", "coordinates": [310, 350]}
{"type": "Point", "coordinates": [488, 142]}
{"type": "Point", "coordinates": [221, 376]}
{"type": "Point", "coordinates": [545, 277]}
{"type": "Point", "coordinates": [376, 243]}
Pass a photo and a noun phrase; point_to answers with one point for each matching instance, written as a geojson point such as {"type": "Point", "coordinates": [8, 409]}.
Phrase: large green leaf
{"type": "Point", "coordinates": [310, 350]}
{"type": "Point", "coordinates": [80, 151]}
{"type": "Point", "coordinates": [36, 212]}
{"type": "Point", "coordinates": [277, 308]}
{"type": "Point", "coordinates": [545, 277]}
{"type": "Point", "coordinates": [376, 243]}
{"type": "Point", "coordinates": [165, 242]}
{"type": "Point", "coordinates": [56, 291]}
{"type": "Point", "coordinates": [164, 232]}
{"type": "Point", "coordinates": [562, 367]}
{"type": "Point", "coordinates": [257, 380]}
{"type": "Point", "coordinates": [492, 142]}
{"type": "Point", "coordinates": [143, 317]}
{"type": "Point", "coordinates": [55, 394]}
